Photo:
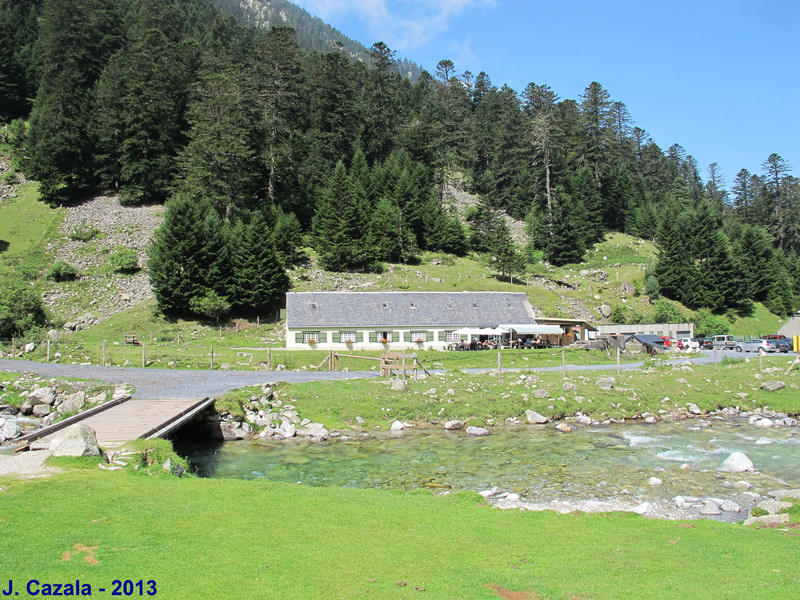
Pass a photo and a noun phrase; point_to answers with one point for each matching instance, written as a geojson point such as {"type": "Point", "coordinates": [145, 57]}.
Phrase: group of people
{"type": "Point", "coordinates": [476, 344]}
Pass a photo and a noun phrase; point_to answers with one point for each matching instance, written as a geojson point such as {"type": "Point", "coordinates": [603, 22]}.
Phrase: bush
{"type": "Point", "coordinates": [83, 232]}
{"type": "Point", "coordinates": [124, 260]}
{"type": "Point", "coordinates": [62, 271]}
{"type": "Point", "coordinates": [21, 309]}
{"type": "Point", "coordinates": [667, 312]}
{"type": "Point", "coordinates": [652, 288]}
{"type": "Point", "coordinates": [210, 305]}
{"type": "Point", "coordinates": [707, 324]}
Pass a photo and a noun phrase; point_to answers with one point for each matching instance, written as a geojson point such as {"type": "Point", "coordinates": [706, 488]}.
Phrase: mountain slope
{"type": "Point", "coordinates": [312, 33]}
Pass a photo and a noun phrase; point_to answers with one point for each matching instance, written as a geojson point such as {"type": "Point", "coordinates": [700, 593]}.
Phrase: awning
{"type": "Point", "coordinates": [533, 328]}
{"type": "Point", "coordinates": [480, 331]}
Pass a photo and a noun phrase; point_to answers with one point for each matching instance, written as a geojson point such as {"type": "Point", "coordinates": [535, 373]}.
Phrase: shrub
{"type": "Point", "coordinates": [124, 260]}
{"type": "Point", "coordinates": [21, 309]}
{"type": "Point", "coordinates": [83, 232]}
{"type": "Point", "coordinates": [62, 271]}
{"type": "Point", "coordinates": [652, 288]}
{"type": "Point", "coordinates": [210, 305]}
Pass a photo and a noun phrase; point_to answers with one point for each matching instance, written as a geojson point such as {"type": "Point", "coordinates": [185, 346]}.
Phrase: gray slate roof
{"type": "Point", "coordinates": [405, 309]}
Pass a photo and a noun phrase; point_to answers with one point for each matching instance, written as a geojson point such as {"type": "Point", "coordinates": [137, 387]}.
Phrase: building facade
{"type": "Point", "coordinates": [344, 321]}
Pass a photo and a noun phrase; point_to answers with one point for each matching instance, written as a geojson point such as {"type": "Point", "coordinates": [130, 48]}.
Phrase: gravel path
{"type": "Point", "coordinates": [165, 383]}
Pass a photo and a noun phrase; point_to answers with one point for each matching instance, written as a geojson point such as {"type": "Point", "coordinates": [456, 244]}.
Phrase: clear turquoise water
{"type": "Point", "coordinates": [537, 462]}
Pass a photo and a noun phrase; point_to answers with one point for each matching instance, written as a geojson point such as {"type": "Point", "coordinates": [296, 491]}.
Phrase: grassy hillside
{"type": "Point", "coordinates": [33, 236]}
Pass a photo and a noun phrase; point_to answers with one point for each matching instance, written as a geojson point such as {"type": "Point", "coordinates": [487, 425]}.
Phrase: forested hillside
{"type": "Point", "coordinates": [258, 147]}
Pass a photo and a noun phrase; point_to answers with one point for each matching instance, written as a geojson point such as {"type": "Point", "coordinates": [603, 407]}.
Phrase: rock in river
{"type": "Point", "coordinates": [737, 462]}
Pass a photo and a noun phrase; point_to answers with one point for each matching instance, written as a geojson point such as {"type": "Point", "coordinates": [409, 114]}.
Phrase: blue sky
{"type": "Point", "coordinates": [721, 78]}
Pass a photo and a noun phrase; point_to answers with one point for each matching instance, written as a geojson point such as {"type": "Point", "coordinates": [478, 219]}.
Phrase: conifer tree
{"type": "Point", "coordinates": [75, 41]}
{"type": "Point", "coordinates": [260, 280]}
{"type": "Point", "coordinates": [176, 255]}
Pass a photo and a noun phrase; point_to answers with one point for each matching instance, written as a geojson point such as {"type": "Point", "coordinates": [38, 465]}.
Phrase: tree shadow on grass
{"type": "Point", "coordinates": [4, 245]}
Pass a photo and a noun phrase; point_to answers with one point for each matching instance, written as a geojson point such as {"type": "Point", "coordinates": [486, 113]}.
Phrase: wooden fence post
{"type": "Point", "coordinates": [104, 353]}
{"type": "Point", "coordinates": [269, 358]}
{"type": "Point", "coordinates": [499, 364]}
{"type": "Point", "coordinates": [144, 356]}
{"type": "Point", "coordinates": [212, 358]}
{"type": "Point", "coordinates": [13, 347]}
{"type": "Point", "coordinates": [618, 367]}
{"type": "Point", "coordinates": [48, 349]}
{"type": "Point", "coordinates": [330, 360]}
{"type": "Point", "coordinates": [564, 363]}
{"type": "Point", "coordinates": [715, 358]}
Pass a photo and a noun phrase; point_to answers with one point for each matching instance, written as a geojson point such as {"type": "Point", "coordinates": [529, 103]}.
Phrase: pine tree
{"type": "Point", "coordinates": [278, 77]}
{"type": "Point", "coordinates": [219, 162]}
{"type": "Point", "coordinates": [75, 41]}
{"type": "Point", "coordinates": [176, 256]}
{"type": "Point", "coordinates": [154, 98]}
{"type": "Point", "coordinates": [260, 280]}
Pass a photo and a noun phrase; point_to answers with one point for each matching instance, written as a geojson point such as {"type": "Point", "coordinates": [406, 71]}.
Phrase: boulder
{"type": "Point", "coordinates": [569, 386]}
{"type": "Point", "coordinates": [710, 508]}
{"type": "Point", "coordinates": [564, 428]}
{"type": "Point", "coordinates": [729, 506]}
{"type": "Point", "coordinates": [454, 424]}
{"type": "Point", "coordinates": [72, 403]}
{"type": "Point", "coordinates": [42, 395]}
{"type": "Point", "coordinates": [606, 383]}
{"type": "Point", "coordinates": [772, 386]}
{"type": "Point", "coordinates": [768, 520]}
{"type": "Point", "coordinates": [655, 481]}
{"type": "Point", "coordinates": [773, 506]}
{"type": "Point", "coordinates": [535, 418]}
{"type": "Point", "coordinates": [41, 410]}
{"type": "Point", "coordinates": [737, 462]}
{"type": "Point", "coordinates": [77, 440]}
{"type": "Point", "coordinates": [173, 468]}
{"type": "Point", "coordinates": [399, 385]}
{"type": "Point", "coordinates": [694, 409]}
{"type": "Point", "coordinates": [9, 430]}
{"type": "Point", "coordinates": [477, 431]}
{"type": "Point", "coordinates": [541, 394]}
{"type": "Point", "coordinates": [315, 431]}
{"type": "Point", "coordinates": [397, 426]}
{"type": "Point", "coordinates": [289, 430]}
{"type": "Point", "coordinates": [764, 423]}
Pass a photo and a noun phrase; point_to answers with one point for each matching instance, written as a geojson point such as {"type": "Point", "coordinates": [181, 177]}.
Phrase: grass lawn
{"type": "Point", "coordinates": [236, 539]}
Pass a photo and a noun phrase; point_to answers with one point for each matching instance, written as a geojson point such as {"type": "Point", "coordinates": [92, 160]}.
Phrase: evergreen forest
{"type": "Point", "coordinates": [260, 143]}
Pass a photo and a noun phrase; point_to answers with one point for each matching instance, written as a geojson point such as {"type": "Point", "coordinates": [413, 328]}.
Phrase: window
{"type": "Point", "coordinates": [347, 336]}
{"type": "Point", "coordinates": [384, 336]}
{"type": "Point", "coordinates": [452, 336]}
{"type": "Point", "coordinates": [419, 336]}
{"type": "Point", "coordinates": [311, 337]}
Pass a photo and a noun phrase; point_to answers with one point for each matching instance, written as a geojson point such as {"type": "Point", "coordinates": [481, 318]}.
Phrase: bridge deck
{"type": "Point", "coordinates": [142, 418]}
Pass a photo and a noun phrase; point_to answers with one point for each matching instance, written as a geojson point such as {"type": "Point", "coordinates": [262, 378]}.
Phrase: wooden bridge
{"type": "Point", "coordinates": [123, 420]}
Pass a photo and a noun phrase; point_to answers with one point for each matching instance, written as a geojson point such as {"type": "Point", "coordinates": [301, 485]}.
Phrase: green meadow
{"type": "Point", "coordinates": [234, 539]}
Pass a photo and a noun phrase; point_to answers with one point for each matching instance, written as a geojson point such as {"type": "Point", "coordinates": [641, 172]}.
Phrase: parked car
{"type": "Point", "coordinates": [757, 345]}
{"type": "Point", "coordinates": [686, 343]}
{"type": "Point", "coordinates": [784, 343]}
{"type": "Point", "coordinates": [723, 342]}
{"type": "Point", "coordinates": [705, 343]}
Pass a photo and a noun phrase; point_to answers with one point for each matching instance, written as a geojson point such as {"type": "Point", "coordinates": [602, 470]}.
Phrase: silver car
{"type": "Point", "coordinates": [757, 345]}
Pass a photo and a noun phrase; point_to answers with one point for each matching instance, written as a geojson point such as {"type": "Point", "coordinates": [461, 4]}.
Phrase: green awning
{"type": "Point", "coordinates": [533, 328]}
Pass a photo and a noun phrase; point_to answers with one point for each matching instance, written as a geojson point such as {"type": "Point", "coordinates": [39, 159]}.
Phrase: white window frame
{"type": "Point", "coordinates": [347, 336]}
{"type": "Point", "coordinates": [385, 335]}
{"type": "Point", "coordinates": [452, 336]}
{"type": "Point", "coordinates": [419, 335]}
{"type": "Point", "coordinates": [308, 336]}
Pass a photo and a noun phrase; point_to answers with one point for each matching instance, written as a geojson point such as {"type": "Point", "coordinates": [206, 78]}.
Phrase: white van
{"type": "Point", "coordinates": [723, 342]}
